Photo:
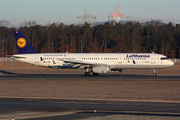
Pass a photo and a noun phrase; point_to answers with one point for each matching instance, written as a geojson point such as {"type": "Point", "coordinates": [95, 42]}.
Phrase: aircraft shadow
{"type": "Point", "coordinates": [133, 113]}
{"type": "Point", "coordinates": [6, 72]}
{"type": "Point", "coordinates": [11, 74]}
{"type": "Point", "coordinates": [82, 115]}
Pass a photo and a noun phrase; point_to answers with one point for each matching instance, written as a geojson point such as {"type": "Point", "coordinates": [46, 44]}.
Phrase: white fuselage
{"type": "Point", "coordinates": [114, 60]}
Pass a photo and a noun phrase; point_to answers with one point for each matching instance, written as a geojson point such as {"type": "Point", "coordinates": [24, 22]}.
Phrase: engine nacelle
{"type": "Point", "coordinates": [101, 69]}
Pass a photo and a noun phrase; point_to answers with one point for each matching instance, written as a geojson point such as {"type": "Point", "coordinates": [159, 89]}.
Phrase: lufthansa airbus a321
{"type": "Point", "coordinates": [93, 62]}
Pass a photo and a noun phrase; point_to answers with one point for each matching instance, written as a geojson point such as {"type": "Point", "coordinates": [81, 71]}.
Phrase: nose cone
{"type": "Point", "coordinates": [171, 63]}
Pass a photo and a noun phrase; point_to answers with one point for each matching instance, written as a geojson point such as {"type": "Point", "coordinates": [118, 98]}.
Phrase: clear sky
{"type": "Point", "coordinates": [66, 11]}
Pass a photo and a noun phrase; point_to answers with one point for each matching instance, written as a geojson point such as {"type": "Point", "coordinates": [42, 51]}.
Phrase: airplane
{"type": "Point", "coordinates": [95, 63]}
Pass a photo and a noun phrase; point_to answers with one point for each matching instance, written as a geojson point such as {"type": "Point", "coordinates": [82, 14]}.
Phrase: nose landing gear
{"type": "Point", "coordinates": [154, 73]}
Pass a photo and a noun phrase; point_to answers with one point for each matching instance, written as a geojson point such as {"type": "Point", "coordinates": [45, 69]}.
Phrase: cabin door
{"type": "Point", "coordinates": [36, 58]}
{"type": "Point", "coordinates": [79, 58]}
{"type": "Point", "coordinates": [119, 59]}
{"type": "Point", "coordinates": [153, 59]}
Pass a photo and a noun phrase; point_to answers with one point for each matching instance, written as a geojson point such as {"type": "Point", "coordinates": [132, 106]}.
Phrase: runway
{"type": "Point", "coordinates": [66, 109]}
{"type": "Point", "coordinates": [75, 109]}
{"type": "Point", "coordinates": [82, 77]}
{"type": "Point", "coordinates": [41, 93]}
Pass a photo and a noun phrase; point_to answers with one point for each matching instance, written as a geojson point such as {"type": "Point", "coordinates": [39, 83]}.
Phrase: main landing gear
{"type": "Point", "coordinates": [95, 74]}
{"type": "Point", "coordinates": [88, 73]}
{"type": "Point", "coordinates": [154, 73]}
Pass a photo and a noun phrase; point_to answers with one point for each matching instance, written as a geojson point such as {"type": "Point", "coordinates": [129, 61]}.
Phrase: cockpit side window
{"type": "Point", "coordinates": [164, 58]}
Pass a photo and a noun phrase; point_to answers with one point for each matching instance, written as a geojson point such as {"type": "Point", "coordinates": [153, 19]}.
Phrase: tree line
{"type": "Point", "coordinates": [131, 37]}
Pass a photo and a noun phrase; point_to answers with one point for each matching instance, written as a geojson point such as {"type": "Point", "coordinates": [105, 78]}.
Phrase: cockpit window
{"type": "Point", "coordinates": [164, 58]}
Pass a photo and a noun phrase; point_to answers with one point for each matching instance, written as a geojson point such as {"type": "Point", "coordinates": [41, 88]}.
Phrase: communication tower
{"type": "Point", "coordinates": [116, 15]}
{"type": "Point", "coordinates": [91, 19]}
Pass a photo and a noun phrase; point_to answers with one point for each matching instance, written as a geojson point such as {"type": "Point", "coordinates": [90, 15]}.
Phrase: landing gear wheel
{"type": "Point", "coordinates": [95, 74]}
{"type": "Point", "coordinates": [154, 74]}
{"type": "Point", "coordinates": [87, 74]}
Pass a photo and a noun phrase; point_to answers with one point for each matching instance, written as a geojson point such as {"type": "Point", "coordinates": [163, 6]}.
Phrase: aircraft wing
{"type": "Point", "coordinates": [80, 63]}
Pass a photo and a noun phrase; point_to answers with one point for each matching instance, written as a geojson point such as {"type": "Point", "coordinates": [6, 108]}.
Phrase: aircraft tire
{"type": "Point", "coordinates": [154, 74]}
{"type": "Point", "coordinates": [95, 74]}
{"type": "Point", "coordinates": [87, 74]}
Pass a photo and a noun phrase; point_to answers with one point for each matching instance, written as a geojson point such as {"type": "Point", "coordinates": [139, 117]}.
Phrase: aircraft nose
{"type": "Point", "coordinates": [171, 63]}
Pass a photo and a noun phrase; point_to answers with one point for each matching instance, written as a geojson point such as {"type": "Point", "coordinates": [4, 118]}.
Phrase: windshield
{"type": "Point", "coordinates": [164, 58]}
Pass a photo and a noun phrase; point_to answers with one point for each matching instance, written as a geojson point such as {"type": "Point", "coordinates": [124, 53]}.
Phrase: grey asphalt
{"type": "Point", "coordinates": [82, 77]}
{"type": "Point", "coordinates": [84, 108]}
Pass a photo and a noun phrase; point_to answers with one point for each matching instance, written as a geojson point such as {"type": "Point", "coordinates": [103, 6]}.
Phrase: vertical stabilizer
{"type": "Point", "coordinates": [23, 46]}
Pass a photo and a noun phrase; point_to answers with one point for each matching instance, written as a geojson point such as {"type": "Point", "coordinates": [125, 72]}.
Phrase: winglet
{"type": "Point", "coordinates": [23, 46]}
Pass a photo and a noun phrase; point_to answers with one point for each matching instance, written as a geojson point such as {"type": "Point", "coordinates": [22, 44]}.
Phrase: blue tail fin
{"type": "Point", "coordinates": [23, 46]}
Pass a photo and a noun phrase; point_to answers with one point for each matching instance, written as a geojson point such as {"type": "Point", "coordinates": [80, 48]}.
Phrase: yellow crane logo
{"type": "Point", "coordinates": [21, 42]}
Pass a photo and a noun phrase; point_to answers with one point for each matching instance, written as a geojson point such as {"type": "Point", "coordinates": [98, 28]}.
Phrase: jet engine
{"type": "Point", "coordinates": [101, 69]}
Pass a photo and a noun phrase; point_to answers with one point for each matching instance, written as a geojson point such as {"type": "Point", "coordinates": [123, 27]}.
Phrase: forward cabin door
{"type": "Point", "coordinates": [153, 59]}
